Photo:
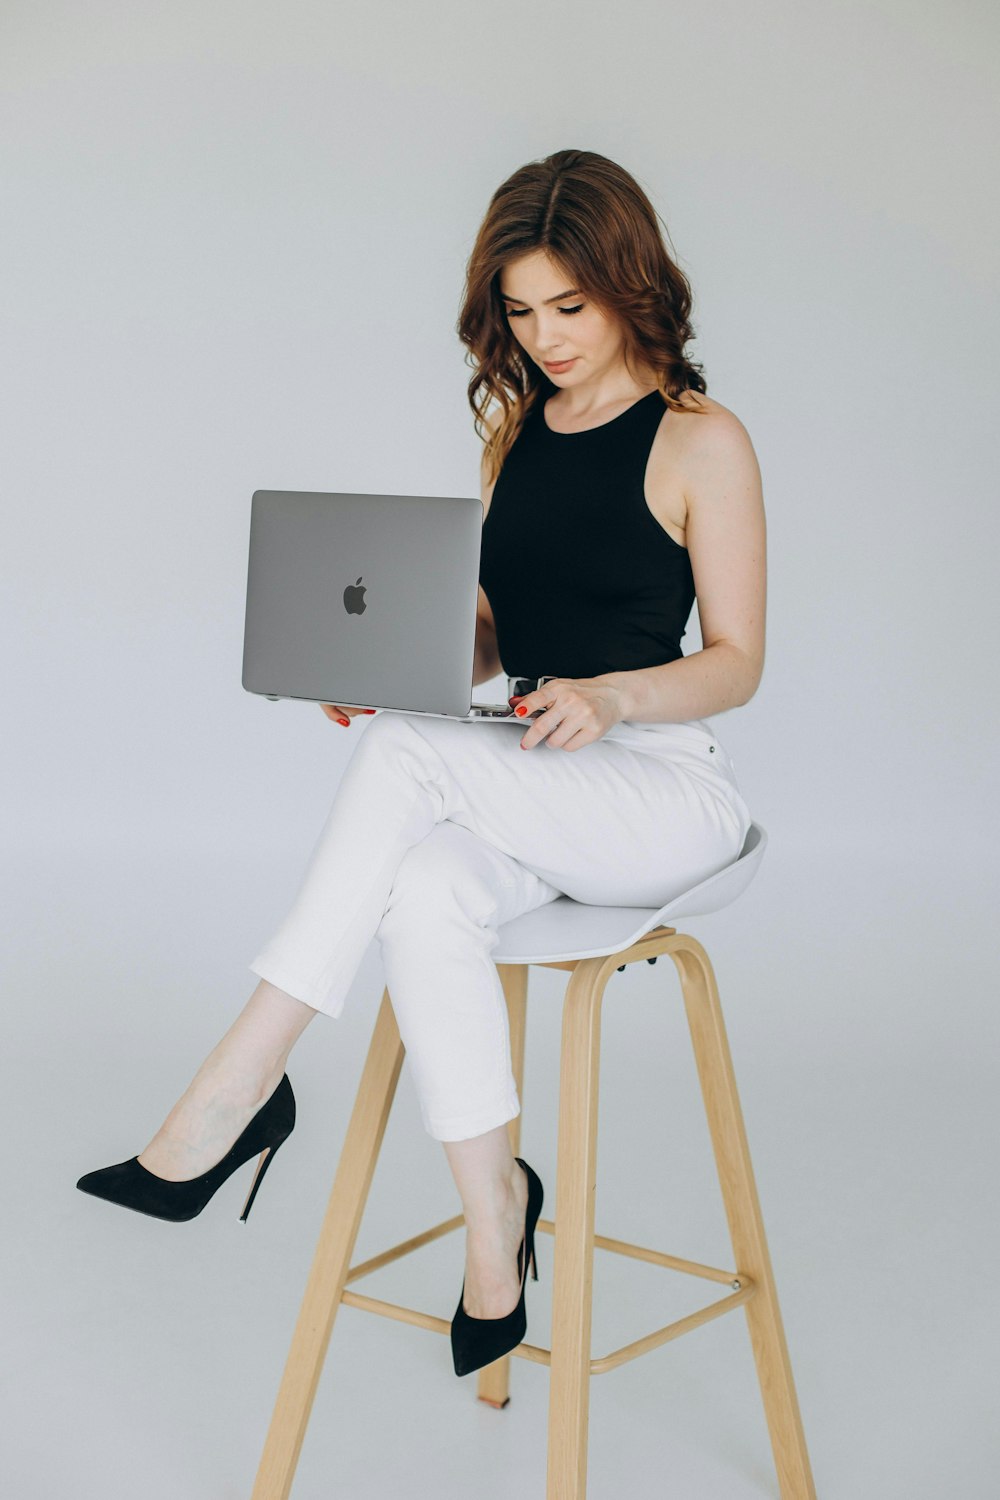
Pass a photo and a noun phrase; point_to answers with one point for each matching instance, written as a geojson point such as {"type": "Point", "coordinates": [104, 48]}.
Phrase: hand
{"type": "Point", "coordinates": [343, 715]}
{"type": "Point", "coordinates": [572, 712]}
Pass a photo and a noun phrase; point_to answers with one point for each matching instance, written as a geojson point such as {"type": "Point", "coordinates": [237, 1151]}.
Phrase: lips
{"type": "Point", "coordinates": [557, 364]}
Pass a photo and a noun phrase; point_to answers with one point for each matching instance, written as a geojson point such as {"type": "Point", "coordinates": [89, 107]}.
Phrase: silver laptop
{"type": "Point", "coordinates": [368, 601]}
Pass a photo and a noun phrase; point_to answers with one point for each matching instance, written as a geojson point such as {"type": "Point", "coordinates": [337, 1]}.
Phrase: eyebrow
{"type": "Point", "coordinates": [574, 291]}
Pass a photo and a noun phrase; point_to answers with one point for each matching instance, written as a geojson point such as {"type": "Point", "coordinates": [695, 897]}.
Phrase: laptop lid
{"type": "Point", "coordinates": [364, 600]}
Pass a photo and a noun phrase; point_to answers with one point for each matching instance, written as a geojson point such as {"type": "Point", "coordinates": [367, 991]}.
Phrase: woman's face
{"type": "Point", "coordinates": [554, 322]}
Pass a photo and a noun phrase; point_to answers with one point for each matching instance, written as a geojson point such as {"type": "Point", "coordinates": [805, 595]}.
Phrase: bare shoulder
{"type": "Point", "coordinates": [697, 453]}
{"type": "Point", "coordinates": [707, 427]}
{"type": "Point", "coordinates": [713, 449]}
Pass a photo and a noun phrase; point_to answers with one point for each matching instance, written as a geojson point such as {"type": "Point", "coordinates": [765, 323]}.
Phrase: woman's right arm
{"type": "Point", "coordinates": [487, 661]}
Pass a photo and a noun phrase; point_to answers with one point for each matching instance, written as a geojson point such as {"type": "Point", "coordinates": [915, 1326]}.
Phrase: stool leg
{"type": "Point", "coordinates": [572, 1280]}
{"type": "Point", "coordinates": [493, 1381]}
{"type": "Point", "coordinates": [332, 1259]}
{"type": "Point", "coordinates": [746, 1227]}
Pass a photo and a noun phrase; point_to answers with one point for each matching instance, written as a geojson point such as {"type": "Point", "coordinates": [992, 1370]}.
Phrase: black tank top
{"type": "Point", "coordinates": [581, 577]}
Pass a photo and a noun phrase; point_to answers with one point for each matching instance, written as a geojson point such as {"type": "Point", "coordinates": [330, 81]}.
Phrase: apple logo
{"type": "Point", "coordinates": [354, 599]}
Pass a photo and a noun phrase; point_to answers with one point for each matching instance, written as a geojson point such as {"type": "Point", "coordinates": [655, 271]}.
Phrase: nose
{"type": "Point", "coordinates": [550, 340]}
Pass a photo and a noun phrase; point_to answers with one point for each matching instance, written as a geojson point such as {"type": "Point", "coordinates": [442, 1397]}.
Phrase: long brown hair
{"type": "Point", "coordinates": [595, 221]}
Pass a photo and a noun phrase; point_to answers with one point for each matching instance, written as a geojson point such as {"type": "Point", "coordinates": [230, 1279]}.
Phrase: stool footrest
{"type": "Point", "coordinates": [733, 1279]}
{"type": "Point", "coordinates": [396, 1310]}
{"type": "Point", "coordinates": [674, 1330]}
{"type": "Point", "coordinates": [365, 1267]}
{"type": "Point", "coordinates": [743, 1289]}
{"type": "Point", "coordinates": [542, 1356]}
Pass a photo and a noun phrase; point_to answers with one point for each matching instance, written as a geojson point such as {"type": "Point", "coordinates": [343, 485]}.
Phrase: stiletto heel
{"type": "Point", "coordinates": [262, 1166]}
{"type": "Point", "coordinates": [131, 1185]}
{"type": "Point", "coordinates": [479, 1341]}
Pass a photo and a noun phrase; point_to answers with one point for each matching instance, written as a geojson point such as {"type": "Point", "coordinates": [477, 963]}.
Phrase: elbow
{"type": "Point", "coordinates": [487, 661]}
{"type": "Point", "coordinates": [751, 672]}
{"type": "Point", "coordinates": [753, 682]}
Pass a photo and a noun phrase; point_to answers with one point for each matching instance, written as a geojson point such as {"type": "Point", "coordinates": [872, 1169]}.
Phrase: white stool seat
{"type": "Point", "coordinates": [566, 929]}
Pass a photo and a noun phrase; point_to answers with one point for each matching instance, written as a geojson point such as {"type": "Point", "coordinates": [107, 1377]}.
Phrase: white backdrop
{"type": "Point", "coordinates": [233, 247]}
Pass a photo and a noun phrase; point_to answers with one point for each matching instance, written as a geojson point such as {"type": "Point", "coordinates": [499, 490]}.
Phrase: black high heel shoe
{"type": "Point", "coordinates": [132, 1185]}
{"type": "Point", "coordinates": [479, 1341]}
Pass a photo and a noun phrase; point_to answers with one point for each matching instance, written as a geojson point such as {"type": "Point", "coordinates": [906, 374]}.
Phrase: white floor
{"type": "Point", "coordinates": [141, 1359]}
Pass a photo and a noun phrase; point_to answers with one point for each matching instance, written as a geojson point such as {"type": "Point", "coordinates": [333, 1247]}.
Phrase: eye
{"type": "Point", "coordinates": [512, 314]}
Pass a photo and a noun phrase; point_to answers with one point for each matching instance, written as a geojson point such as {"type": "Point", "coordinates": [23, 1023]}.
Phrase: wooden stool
{"type": "Point", "coordinates": [591, 943]}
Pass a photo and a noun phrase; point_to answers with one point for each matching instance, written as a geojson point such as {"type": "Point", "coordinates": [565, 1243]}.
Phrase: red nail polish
{"type": "Point", "coordinates": [520, 710]}
{"type": "Point", "coordinates": [368, 710]}
{"type": "Point", "coordinates": [344, 721]}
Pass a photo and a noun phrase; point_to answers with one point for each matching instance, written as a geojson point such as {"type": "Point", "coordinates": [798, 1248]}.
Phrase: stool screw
{"type": "Point", "coordinates": [653, 959]}
{"type": "Point", "coordinates": [620, 967]}
{"type": "Point", "coordinates": [736, 1283]}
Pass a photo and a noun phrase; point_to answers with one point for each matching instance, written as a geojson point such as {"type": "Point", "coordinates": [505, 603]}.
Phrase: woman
{"type": "Point", "coordinates": [614, 490]}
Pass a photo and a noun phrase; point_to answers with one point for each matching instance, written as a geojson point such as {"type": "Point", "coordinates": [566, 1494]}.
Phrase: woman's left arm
{"type": "Point", "coordinates": [726, 540]}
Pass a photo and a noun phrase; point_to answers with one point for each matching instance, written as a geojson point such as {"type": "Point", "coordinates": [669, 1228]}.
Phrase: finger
{"type": "Point", "coordinates": [552, 725]}
{"type": "Point", "coordinates": [336, 713]}
{"type": "Point", "coordinates": [576, 741]}
{"type": "Point", "coordinates": [539, 730]}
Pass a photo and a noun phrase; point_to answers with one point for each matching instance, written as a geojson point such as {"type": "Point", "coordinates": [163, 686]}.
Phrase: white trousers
{"type": "Point", "coordinates": [442, 830]}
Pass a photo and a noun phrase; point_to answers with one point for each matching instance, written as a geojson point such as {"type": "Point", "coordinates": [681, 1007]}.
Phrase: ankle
{"type": "Point", "coordinates": [498, 1200]}
{"type": "Point", "coordinates": [246, 1085]}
